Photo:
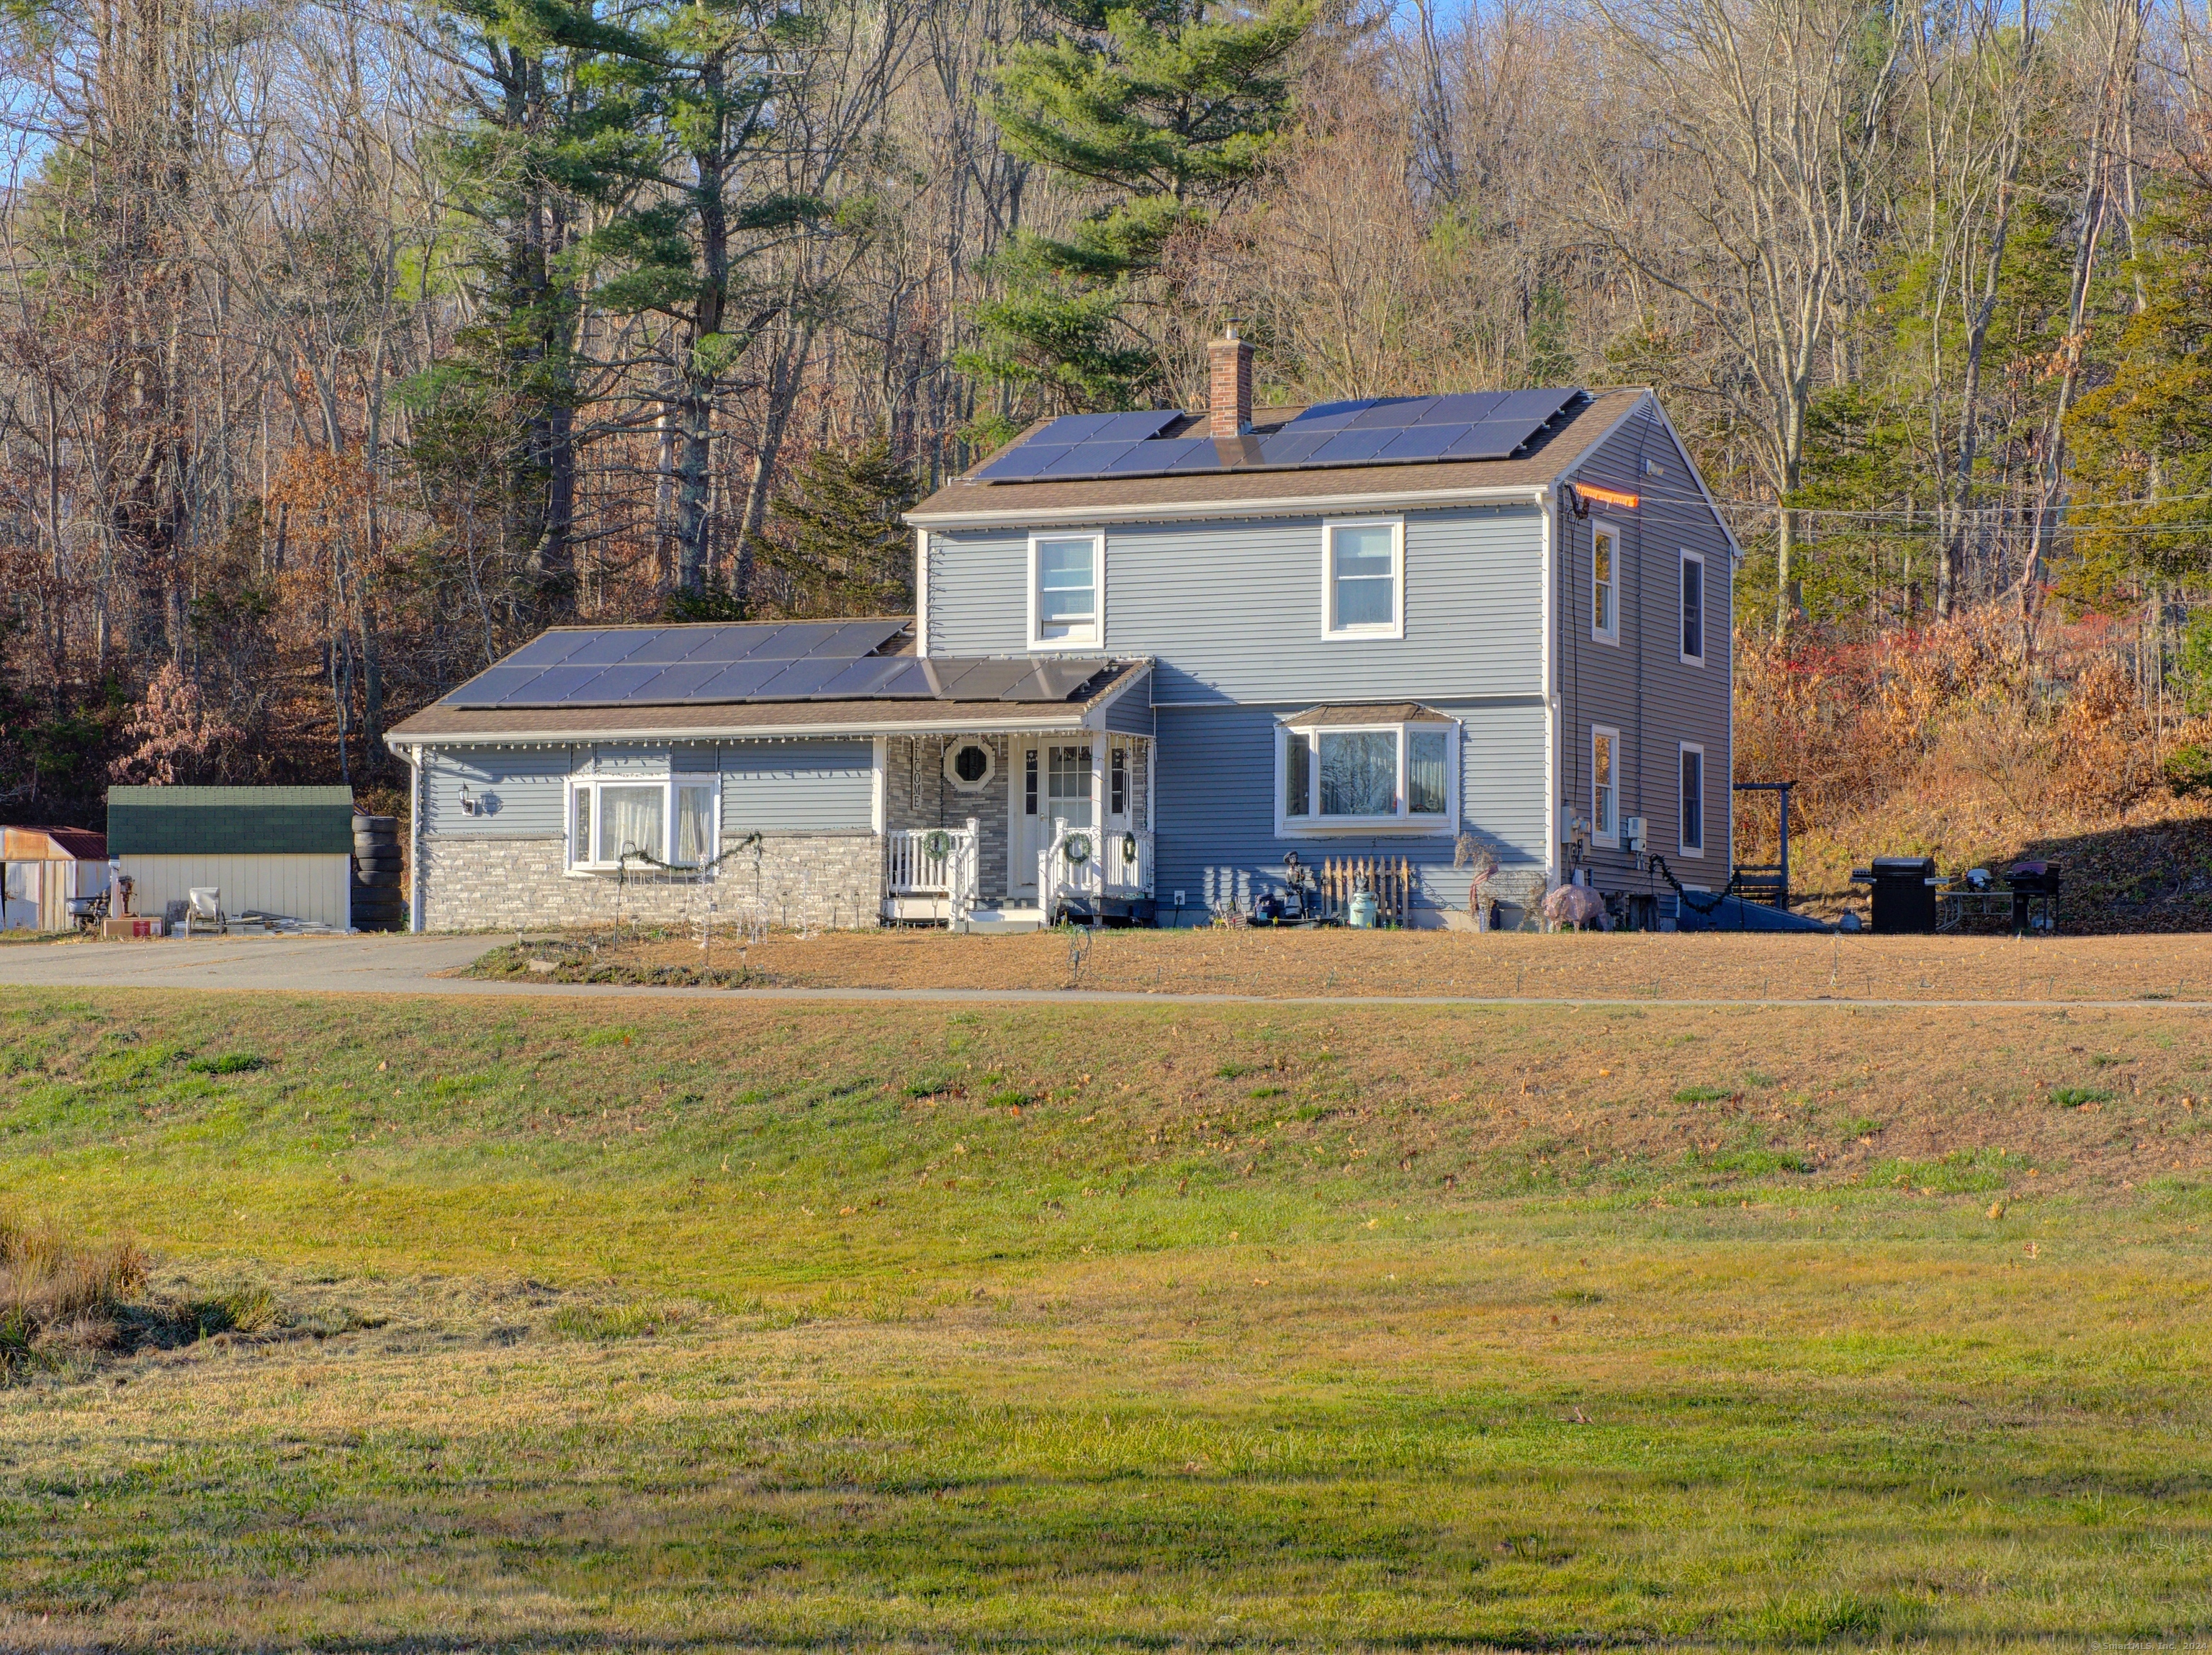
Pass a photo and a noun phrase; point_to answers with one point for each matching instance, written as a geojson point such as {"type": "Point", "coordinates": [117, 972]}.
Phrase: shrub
{"type": "Point", "coordinates": [2189, 770]}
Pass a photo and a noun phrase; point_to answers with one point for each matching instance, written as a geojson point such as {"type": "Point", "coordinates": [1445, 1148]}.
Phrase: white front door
{"type": "Point", "coordinates": [1027, 828]}
{"type": "Point", "coordinates": [1053, 781]}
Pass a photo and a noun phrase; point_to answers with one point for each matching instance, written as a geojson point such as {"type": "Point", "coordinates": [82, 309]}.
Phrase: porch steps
{"type": "Point", "coordinates": [1001, 921]}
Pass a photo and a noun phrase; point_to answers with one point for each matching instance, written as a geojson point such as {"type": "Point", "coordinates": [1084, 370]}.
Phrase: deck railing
{"type": "Point", "coordinates": [1083, 864]}
{"type": "Point", "coordinates": [933, 862]}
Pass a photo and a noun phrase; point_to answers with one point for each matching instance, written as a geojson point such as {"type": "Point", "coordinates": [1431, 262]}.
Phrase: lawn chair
{"type": "Point", "coordinates": [205, 911]}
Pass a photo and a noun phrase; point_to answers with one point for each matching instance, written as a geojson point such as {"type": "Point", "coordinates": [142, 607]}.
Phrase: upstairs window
{"type": "Point", "coordinates": [1364, 579]}
{"type": "Point", "coordinates": [1605, 602]}
{"type": "Point", "coordinates": [1349, 774]}
{"type": "Point", "coordinates": [1064, 590]}
{"type": "Point", "coordinates": [1694, 609]}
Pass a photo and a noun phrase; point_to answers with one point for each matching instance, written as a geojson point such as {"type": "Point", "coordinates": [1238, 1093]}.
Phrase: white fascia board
{"type": "Point", "coordinates": [1071, 721]}
{"type": "Point", "coordinates": [1282, 506]}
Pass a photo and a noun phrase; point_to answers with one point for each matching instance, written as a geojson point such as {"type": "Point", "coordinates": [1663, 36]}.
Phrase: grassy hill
{"type": "Point", "coordinates": [703, 1325]}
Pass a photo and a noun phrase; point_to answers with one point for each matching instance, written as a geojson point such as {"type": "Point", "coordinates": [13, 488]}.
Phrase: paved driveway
{"type": "Point", "coordinates": [371, 964]}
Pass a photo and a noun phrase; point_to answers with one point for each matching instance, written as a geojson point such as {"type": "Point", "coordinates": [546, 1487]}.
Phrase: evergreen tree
{"type": "Point", "coordinates": [2143, 438]}
{"type": "Point", "coordinates": [837, 546]}
{"type": "Point", "coordinates": [1167, 109]}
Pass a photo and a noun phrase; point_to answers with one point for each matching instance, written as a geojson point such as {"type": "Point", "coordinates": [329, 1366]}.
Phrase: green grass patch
{"type": "Point", "coordinates": [1704, 1094]}
{"type": "Point", "coordinates": [235, 1062]}
{"type": "Point", "coordinates": [2077, 1097]}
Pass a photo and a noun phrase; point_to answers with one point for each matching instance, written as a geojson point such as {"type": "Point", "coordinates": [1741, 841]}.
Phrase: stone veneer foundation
{"type": "Point", "coordinates": [797, 880]}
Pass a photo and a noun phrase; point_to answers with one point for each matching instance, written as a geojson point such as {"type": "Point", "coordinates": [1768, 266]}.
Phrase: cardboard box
{"type": "Point", "coordinates": [130, 928]}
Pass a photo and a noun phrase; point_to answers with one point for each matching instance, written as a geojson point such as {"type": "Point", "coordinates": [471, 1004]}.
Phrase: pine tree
{"type": "Point", "coordinates": [837, 545]}
{"type": "Point", "coordinates": [1167, 109]}
{"type": "Point", "coordinates": [2145, 436]}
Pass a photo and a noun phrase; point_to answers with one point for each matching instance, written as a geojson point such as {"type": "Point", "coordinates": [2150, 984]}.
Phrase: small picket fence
{"type": "Point", "coordinates": [1391, 878]}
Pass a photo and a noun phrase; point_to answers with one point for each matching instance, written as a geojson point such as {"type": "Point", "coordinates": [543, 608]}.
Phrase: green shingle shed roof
{"type": "Point", "coordinates": [229, 821]}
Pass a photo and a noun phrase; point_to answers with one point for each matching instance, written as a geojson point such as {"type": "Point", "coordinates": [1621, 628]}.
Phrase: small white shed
{"type": "Point", "coordinates": [41, 869]}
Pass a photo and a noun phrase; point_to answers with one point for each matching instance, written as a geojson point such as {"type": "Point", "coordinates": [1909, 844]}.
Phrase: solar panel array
{"type": "Point", "coordinates": [819, 661]}
{"type": "Point", "coordinates": [1373, 431]}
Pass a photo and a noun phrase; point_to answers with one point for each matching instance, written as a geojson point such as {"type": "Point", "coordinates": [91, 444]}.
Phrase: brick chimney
{"type": "Point", "coordinates": [1229, 399]}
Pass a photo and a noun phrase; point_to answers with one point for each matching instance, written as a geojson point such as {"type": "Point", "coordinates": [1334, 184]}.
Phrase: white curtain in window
{"type": "Point", "coordinates": [1359, 773]}
{"type": "Point", "coordinates": [1425, 772]}
{"type": "Point", "coordinates": [630, 820]}
{"type": "Point", "coordinates": [694, 825]}
{"type": "Point", "coordinates": [1365, 576]}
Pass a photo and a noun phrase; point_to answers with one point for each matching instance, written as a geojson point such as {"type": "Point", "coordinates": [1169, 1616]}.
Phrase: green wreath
{"type": "Point", "coordinates": [1129, 847]}
{"type": "Point", "coordinates": [936, 844]}
{"type": "Point", "coordinates": [1076, 848]}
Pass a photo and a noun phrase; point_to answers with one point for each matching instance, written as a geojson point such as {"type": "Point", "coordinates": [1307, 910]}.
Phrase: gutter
{"type": "Point", "coordinates": [1071, 719]}
{"type": "Point", "coordinates": [1272, 506]}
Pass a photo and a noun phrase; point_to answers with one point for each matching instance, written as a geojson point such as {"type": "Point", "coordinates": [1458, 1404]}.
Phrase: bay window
{"type": "Point", "coordinates": [1349, 770]}
{"type": "Point", "coordinates": [642, 821]}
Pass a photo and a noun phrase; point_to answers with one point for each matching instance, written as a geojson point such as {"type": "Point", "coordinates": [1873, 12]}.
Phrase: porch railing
{"type": "Point", "coordinates": [1084, 864]}
{"type": "Point", "coordinates": [933, 862]}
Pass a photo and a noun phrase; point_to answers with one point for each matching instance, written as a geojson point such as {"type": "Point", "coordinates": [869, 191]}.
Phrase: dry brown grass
{"type": "Point", "coordinates": [1954, 742]}
{"type": "Point", "coordinates": [1292, 963]}
{"type": "Point", "coordinates": [60, 1294]}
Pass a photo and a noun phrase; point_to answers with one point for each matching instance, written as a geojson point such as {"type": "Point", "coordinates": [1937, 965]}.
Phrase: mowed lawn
{"type": "Point", "coordinates": [678, 1326]}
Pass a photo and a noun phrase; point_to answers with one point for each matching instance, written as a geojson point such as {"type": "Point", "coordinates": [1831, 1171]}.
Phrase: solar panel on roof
{"type": "Point", "coordinates": [1462, 408]}
{"type": "Point", "coordinates": [1420, 442]}
{"type": "Point", "coordinates": [605, 649]}
{"type": "Point", "coordinates": [547, 648]}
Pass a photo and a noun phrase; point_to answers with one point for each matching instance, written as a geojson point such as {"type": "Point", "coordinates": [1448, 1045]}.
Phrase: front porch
{"type": "Point", "coordinates": [1016, 832]}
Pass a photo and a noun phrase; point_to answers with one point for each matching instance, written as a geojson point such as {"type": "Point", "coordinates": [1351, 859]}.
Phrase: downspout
{"type": "Point", "coordinates": [921, 592]}
{"type": "Point", "coordinates": [1547, 507]}
{"type": "Point", "coordinates": [415, 840]}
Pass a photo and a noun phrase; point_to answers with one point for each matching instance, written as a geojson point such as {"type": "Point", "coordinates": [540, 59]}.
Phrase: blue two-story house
{"type": "Point", "coordinates": [1161, 665]}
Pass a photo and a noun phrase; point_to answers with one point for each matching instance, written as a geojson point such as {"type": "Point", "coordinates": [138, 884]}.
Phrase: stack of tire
{"type": "Point", "coordinates": [378, 903]}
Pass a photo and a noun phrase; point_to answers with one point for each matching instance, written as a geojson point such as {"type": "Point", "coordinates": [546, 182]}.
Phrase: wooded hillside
{"type": "Point", "coordinates": [344, 344]}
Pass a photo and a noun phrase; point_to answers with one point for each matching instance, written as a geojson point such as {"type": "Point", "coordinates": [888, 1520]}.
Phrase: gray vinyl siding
{"type": "Point", "coordinates": [979, 594]}
{"type": "Point", "coordinates": [1216, 808]}
{"type": "Point", "coordinates": [1233, 610]}
{"type": "Point", "coordinates": [772, 787]}
{"type": "Point", "coordinates": [1641, 686]}
{"type": "Point", "coordinates": [518, 791]}
{"type": "Point", "coordinates": [797, 787]}
{"type": "Point", "coordinates": [1133, 713]}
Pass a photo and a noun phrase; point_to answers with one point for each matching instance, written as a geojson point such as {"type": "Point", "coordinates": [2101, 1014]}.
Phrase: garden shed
{"type": "Point", "coordinates": [268, 850]}
{"type": "Point", "coordinates": [41, 869]}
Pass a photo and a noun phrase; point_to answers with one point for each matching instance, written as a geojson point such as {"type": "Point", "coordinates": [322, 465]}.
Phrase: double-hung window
{"type": "Point", "coordinates": [1605, 785]}
{"type": "Point", "coordinates": [1692, 835]}
{"type": "Point", "coordinates": [640, 822]}
{"type": "Point", "coordinates": [1065, 582]}
{"type": "Point", "coordinates": [1694, 609]}
{"type": "Point", "coordinates": [1605, 585]}
{"type": "Point", "coordinates": [1338, 772]}
{"type": "Point", "coordinates": [1363, 578]}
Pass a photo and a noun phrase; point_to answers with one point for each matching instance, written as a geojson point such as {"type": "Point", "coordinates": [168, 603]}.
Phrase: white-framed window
{"type": "Point", "coordinates": [1367, 778]}
{"type": "Point", "coordinates": [1117, 781]}
{"type": "Point", "coordinates": [970, 765]}
{"type": "Point", "coordinates": [1067, 590]}
{"type": "Point", "coordinates": [1692, 839]}
{"type": "Point", "coordinates": [1363, 577]}
{"type": "Point", "coordinates": [1605, 785]}
{"type": "Point", "coordinates": [1605, 585]}
{"type": "Point", "coordinates": [673, 820]}
{"type": "Point", "coordinates": [1694, 609]}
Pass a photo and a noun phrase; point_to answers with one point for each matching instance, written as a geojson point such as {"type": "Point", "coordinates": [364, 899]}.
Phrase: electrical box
{"type": "Point", "coordinates": [1631, 835]}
